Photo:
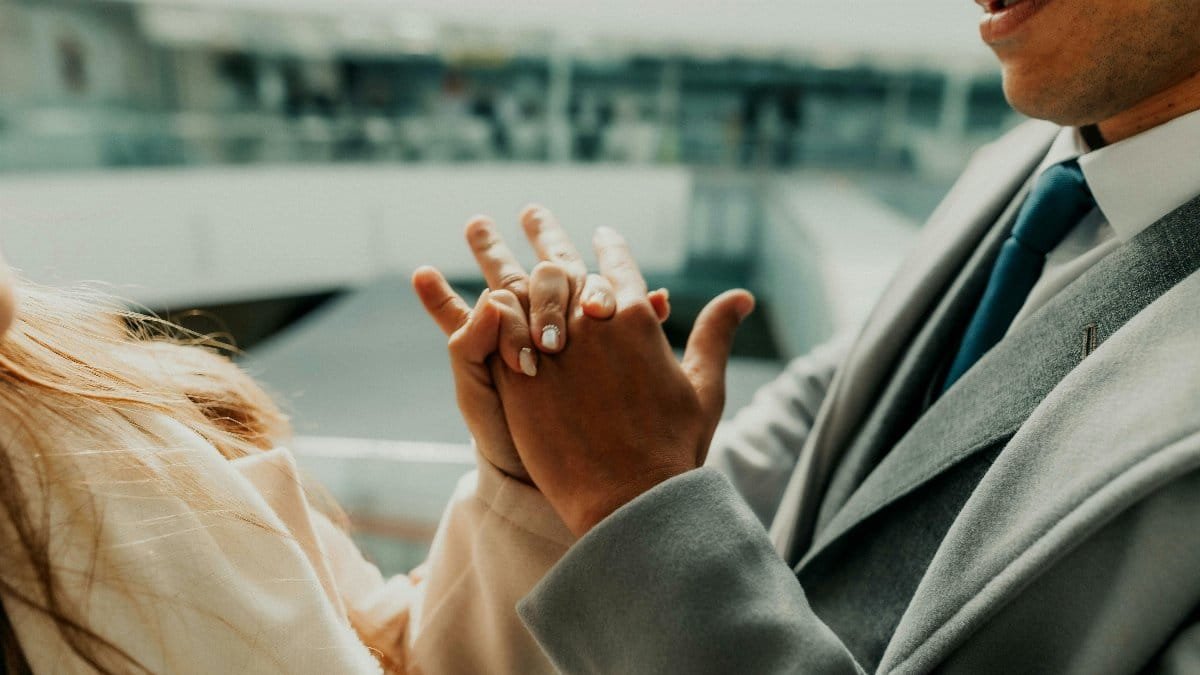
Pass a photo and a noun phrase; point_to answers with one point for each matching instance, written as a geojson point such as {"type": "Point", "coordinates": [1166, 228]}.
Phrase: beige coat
{"type": "Point", "coordinates": [188, 591]}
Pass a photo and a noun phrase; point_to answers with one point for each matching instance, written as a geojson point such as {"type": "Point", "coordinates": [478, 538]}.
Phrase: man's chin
{"type": "Point", "coordinates": [1044, 101]}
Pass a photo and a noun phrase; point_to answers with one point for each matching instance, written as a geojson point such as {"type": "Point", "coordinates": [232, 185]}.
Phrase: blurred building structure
{"type": "Point", "coordinates": [91, 83]}
{"type": "Point", "coordinates": [209, 152]}
{"type": "Point", "coordinates": [254, 157]}
{"type": "Point", "coordinates": [215, 152]}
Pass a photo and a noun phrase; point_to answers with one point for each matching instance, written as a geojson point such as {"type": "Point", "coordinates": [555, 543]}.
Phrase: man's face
{"type": "Point", "coordinates": [1079, 62]}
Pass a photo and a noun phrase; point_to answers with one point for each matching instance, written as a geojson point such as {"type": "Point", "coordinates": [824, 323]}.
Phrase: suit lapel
{"type": "Point", "coordinates": [985, 189]}
{"type": "Point", "coordinates": [1070, 469]}
{"type": "Point", "coordinates": [997, 396]}
{"type": "Point", "coordinates": [906, 392]}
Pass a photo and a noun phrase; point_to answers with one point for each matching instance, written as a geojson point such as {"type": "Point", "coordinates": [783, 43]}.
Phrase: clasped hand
{"type": "Point", "coordinates": [566, 379]}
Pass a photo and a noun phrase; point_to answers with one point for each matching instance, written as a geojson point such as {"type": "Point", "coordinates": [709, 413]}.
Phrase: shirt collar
{"type": "Point", "coordinates": [1067, 145]}
{"type": "Point", "coordinates": [1140, 179]}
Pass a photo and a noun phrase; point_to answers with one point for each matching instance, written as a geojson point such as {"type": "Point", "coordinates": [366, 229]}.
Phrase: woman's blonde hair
{"type": "Point", "coordinates": [80, 361]}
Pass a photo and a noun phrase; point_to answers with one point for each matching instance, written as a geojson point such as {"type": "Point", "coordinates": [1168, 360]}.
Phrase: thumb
{"type": "Point", "coordinates": [709, 345]}
{"type": "Point", "coordinates": [478, 337]}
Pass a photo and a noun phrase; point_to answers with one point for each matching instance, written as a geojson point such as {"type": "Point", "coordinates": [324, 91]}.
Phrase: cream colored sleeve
{"type": "Point", "coordinates": [457, 612]}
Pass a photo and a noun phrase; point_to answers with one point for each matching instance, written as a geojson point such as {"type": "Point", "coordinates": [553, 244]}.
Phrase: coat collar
{"type": "Point", "coordinates": [986, 187]}
{"type": "Point", "coordinates": [909, 390]}
{"type": "Point", "coordinates": [996, 397]}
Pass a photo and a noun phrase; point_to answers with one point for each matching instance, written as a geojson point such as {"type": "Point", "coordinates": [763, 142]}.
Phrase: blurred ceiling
{"type": "Point", "coordinates": [935, 32]}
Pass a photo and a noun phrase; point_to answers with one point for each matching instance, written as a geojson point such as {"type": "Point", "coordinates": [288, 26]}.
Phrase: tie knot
{"type": "Point", "coordinates": [1059, 199]}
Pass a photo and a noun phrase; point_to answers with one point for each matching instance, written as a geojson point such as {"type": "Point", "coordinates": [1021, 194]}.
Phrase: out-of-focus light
{"type": "Point", "coordinates": [413, 27]}
{"type": "Point", "coordinates": [189, 26]}
{"type": "Point", "coordinates": [361, 28]}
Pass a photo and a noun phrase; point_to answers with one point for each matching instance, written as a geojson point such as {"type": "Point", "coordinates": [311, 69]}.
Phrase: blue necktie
{"type": "Point", "coordinates": [1059, 199]}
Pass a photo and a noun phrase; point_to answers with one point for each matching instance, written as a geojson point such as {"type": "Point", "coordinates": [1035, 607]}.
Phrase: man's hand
{"type": "Point", "coordinates": [520, 315]}
{"type": "Point", "coordinates": [615, 414]}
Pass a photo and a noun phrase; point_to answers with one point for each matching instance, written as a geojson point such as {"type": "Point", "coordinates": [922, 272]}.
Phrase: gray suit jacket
{"type": "Point", "coordinates": [1041, 516]}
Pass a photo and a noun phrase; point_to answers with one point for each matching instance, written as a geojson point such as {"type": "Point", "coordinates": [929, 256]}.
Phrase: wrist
{"type": "Point", "coordinates": [502, 457]}
{"type": "Point", "coordinates": [588, 512]}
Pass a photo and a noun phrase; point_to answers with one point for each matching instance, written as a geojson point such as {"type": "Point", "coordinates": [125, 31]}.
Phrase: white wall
{"type": "Point", "coordinates": [829, 250]}
{"type": "Point", "coordinates": [927, 30]}
{"type": "Point", "coordinates": [167, 238]}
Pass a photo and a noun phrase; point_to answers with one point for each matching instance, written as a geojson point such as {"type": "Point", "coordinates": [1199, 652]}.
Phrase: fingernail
{"type": "Point", "coordinates": [550, 335]}
{"type": "Point", "coordinates": [603, 300]}
{"type": "Point", "coordinates": [528, 362]}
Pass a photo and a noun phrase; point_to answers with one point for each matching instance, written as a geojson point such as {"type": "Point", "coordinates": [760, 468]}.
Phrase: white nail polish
{"type": "Point", "coordinates": [550, 337]}
{"type": "Point", "coordinates": [603, 300]}
{"type": "Point", "coordinates": [528, 362]}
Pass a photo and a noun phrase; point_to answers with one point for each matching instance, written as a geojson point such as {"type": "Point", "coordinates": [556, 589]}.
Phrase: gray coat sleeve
{"type": "Point", "coordinates": [1182, 654]}
{"type": "Point", "coordinates": [681, 580]}
{"type": "Point", "coordinates": [757, 449]}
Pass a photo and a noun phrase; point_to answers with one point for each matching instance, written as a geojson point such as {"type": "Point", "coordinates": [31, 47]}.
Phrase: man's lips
{"type": "Point", "coordinates": [1002, 18]}
{"type": "Point", "coordinates": [994, 6]}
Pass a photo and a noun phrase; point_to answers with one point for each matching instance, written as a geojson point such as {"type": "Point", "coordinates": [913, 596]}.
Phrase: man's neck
{"type": "Point", "coordinates": [1160, 108]}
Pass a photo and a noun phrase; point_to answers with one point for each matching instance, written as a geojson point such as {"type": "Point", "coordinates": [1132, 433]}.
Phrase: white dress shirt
{"type": "Point", "coordinates": [1135, 182]}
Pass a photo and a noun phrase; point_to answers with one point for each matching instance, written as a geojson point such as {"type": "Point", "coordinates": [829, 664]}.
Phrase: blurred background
{"type": "Point", "coordinates": [273, 170]}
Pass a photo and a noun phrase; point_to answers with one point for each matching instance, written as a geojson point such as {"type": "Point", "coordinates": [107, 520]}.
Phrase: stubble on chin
{"type": "Point", "coordinates": [1114, 71]}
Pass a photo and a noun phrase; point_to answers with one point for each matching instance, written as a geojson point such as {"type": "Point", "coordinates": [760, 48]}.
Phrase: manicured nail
{"type": "Point", "coordinates": [528, 362]}
{"type": "Point", "coordinates": [603, 301]}
{"type": "Point", "coordinates": [550, 335]}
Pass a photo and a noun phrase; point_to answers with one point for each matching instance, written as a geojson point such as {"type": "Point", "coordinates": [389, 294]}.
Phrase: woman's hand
{"type": "Point", "coordinates": [518, 313]}
{"type": "Point", "coordinates": [615, 414]}
{"type": "Point", "coordinates": [474, 339]}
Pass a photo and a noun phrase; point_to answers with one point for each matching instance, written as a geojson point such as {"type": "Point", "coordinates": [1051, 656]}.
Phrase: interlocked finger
{"type": "Point", "coordinates": [550, 241]}
{"type": "Point", "coordinates": [618, 265]}
{"type": "Point", "coordinates": [598, 299]}
{"type": "Point", "coordinates": [500, 267]}
{"type": "Point", "coordinates": [516, 347]}
{"type": "Point", "coordinates": [549, 297]}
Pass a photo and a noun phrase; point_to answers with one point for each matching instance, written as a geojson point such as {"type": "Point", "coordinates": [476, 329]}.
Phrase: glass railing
{"type": "Point", "coordinates": [394, 492]}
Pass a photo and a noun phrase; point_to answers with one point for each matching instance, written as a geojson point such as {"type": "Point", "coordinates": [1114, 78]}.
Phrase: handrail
{"type": "Point", "coordinates": [395, 490]}
{"type": "Point", "coordinates": [340, 447]}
